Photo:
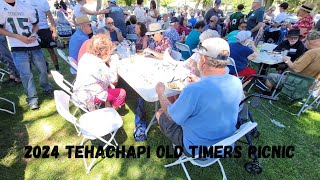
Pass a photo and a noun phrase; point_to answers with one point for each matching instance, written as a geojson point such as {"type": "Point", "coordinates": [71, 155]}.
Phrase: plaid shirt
{"type": "Point", "coordinates": [162, 45]}
{"type": "Point", "coordinates": [306, 22]}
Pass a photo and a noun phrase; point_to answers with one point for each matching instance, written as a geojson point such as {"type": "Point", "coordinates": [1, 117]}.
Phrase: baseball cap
{"type": "Point", "coordinates": [82, 19]}
{"type": "Point", "coordinates": [243, 35]}
{"type": "Point", "coordinates": [313, 35]}
{"type": "Point", "coordinates": [216, 48]}
{"type": "Point", "coordinates": [174, 19]}
{"type": "Point", "coordinates": [113, 1]}
{"type": "Point", "coordinates": [217, 2]}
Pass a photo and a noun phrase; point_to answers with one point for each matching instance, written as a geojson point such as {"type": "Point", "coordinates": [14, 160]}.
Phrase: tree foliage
{"type": "Point", "coordinates": [165, 3]}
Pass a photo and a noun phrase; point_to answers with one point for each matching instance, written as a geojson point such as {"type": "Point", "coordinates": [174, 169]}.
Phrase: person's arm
{"type": "Point", "coordinates": [53, 25]}
{"type": "Point", "coordinates": [257, 27]}
{"type": "Point", "coordinates": [87, 11]}
{"type": "Point", "coordinates": [155, 53]}
{"type": "Point", "coordinates": [119, 34]}
{"type": "Point", "coordinates": [155, 13]}
{"type": "Point", "coordinates": [17, 36]}
{"type": "Point", "coordinates": [300, 64]}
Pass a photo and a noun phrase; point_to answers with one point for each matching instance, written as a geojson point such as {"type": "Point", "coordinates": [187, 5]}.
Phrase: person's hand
{"type": "Point", "coordinates": [31, 39]}
{"type": "Point", "coordinates": [106, 11]}
{"type": "Point", "coordinates": [54, 35]}
{"type": "Point", "coordinates": [23, 39]}
{"type": "Point", "coordinates": [147, 50]}
{"type": "Point", "coordinates": [193, 78]}
{"type": "Point", "coordinates": [160, 88]}
{"type": "Point", "coordinates": [282, 67]}
{"type": "Point", "coordinates": [286, 58]}
{"type": "Point", "coordinates": [114, 28]}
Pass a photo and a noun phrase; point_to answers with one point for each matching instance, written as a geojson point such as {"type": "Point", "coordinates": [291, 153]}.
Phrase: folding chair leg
{"type": "Point", "coordinates": [185, 171]}
{"type": "Point", "coordinates": [224, 177]}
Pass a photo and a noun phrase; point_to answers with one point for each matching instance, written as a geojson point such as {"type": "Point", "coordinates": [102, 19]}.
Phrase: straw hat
{"type": "Point", "coordinates": [154, 28]}
{"type": "Point", "coordinates": [308, 7]}
{"type": "Point", "coordinates": [82, 19]}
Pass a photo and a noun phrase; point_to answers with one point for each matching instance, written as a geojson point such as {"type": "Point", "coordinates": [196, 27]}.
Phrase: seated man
{"type": "Point", "coordinates": [172, 32]}
{"type": "Point", "coordinates": [293, 45]}
{"type": "Point", "coordinates": [161, 42]}
{"type": "Point", "coordinates": [207, 109]}
{"type": "Point", "coordinates": [241, 54]}
{"type": "Point", "coordinates": [213, 25]}
{"type": "Point", "coordinates": [308, 64]}
{"type": "Point", "coordinates": [115, 33]}
{"type": "Point", "coordinates": [80, 36]}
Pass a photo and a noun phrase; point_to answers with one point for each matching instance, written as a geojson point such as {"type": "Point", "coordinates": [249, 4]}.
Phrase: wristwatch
{"type": "Point", "coordinates": [286, 61]}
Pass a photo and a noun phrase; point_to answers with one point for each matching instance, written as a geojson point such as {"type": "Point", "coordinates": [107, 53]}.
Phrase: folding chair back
{"type": "Point", "coordinates": [176, 55]}
{"type": "Point", "coordinates": [132, 37]}
{"type": "Point", "coordinates": [2, 74]}
{"type": "Point", "coordinates": [62, 104]}
{"type": "Point", "coordinates": [62, 83]}
{"type": "Point", "coordinates": [233, 64]}
{"type": "Point", "coordinates": [242, 131]}
{"type": "Point", "coordinates": [297, 86]}
{"type": "Point", "coordinates": [62, 55]}
{"type": "Point", "coordinates": [183, 47]}
{"type": "Point", "coordinates": [73, 63]}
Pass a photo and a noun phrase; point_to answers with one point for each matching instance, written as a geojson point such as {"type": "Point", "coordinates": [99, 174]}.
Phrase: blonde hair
{"type": "Point", "coordinates": [101, 46]}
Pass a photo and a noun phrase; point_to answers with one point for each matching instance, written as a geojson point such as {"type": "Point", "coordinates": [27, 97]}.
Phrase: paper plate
{"type": "Point", "coordinates": [176, 85]}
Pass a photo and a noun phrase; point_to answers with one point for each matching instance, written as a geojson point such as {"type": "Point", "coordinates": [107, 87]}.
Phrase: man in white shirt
{"type": "Point", "coordinates": [48, 35]}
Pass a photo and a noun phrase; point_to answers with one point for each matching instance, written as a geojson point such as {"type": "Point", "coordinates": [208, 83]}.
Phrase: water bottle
{"type": "Point", "coordinates": [183, 33]}
{"type": "Point", "coordinates": [133, 48]}
{"type": "Point", "coordinates": [260, 46]}
{"type": "Point", "coordinates": [151, 45]}
{"type": "Point", "coordinates": [128, 50]}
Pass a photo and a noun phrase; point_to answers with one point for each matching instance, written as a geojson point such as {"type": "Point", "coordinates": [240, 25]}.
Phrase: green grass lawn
{"type": "Point", "coordinates": [47, 127]}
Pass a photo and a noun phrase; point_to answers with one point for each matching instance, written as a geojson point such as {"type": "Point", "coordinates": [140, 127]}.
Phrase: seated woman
{"type": "Point", "coordinates": [131, 26]}
{"type": "Point", "coordinates": [193, 38]}
{"type": "Point", "coordinates": [95, 76]}
{"type": "Point", "coordinates": [142, 41]}
{"type": "Point", "coordinates": [241, 53]}
{"type": "Point", "coordinates": [183, 27]}
{"type": "Point", "coordinates": [161, 42]}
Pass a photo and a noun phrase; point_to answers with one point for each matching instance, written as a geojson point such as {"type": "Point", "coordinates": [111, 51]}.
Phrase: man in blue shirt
{"type": "Point", "coordinates": [207, 109]}
{"type": "Point", "coordinates": [213, 25]}
{"type": "Point", "coordinates": [80, 36]}
{"type": "Point", "coordinates": [115, 32]}
{"type": "Point", "coordinates": [255, 20]}
{"type": "Point", "coordinates": [241, 54]}
{"type": "Point", "coordinates": [116, 13]}
{"type": "Point", "coordinates": [192, 21]}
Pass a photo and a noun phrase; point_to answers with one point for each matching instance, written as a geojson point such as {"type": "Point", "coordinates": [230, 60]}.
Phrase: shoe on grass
{"type": "Point", "coordinates": [47, 92]}
{"type": "Point", "coordinates": [34, 106]}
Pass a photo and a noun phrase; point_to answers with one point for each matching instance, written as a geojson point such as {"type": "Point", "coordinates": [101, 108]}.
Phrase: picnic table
{"type": "Point", "coordinates": [143, 73]}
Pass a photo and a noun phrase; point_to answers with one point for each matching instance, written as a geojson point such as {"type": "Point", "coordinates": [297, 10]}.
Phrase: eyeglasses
{"type": "Point", "coordinates": [293, 38]}
{"type": "Point", "coordinates": [111, 23]}
{"type": "Point", "coordinates": [243, 26]}
{"type": "Point", "coordinates": [212, 20]}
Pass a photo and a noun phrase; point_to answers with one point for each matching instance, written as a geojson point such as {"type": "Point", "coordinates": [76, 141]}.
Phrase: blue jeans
{"type": "Point", "coordinates": [6, 57]}
{"type": "Point", "coordinates": [22, 60]}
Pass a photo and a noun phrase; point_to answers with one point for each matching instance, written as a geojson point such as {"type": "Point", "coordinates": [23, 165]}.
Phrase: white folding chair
{"type": "Point", "coordinates": [2, 74]}
{"type": "Point", "coordinates": [176, 55]}
{"type": "Point", "coordinates": [63, 55]}
{"type": "Point", "coordinates": [183, 47]}
{"type": "Point", "coordinates": [132, 37]}
{"type": "Point", "coordinates": [73, 64]}
{"type": "Point", "coordinates": [93, 125]}
{"type": "Point", "coordinates": [242, 131]}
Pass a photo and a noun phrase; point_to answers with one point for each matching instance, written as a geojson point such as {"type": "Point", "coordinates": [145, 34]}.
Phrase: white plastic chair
{"type": "Point", "coordinates": [183, 47]}
{"type": "Point", "coordinates": [2, 74]}
{"type": "Point", "coordinates": [132, 37]}
{"type": "Point", "coordinates": [73, 64]}
{"type": "Point", "coordinates": [242, 131]}
{"type": "Point", "coordinates": [93, 125]}
{"type": "Point", "coordinates": [176, 55]}
{"type": "Point", "coordinates": [63, 55]}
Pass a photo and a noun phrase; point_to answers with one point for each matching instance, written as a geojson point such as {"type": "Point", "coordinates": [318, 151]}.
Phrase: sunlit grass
{"type": "Point", "coordinates": [47, 127]}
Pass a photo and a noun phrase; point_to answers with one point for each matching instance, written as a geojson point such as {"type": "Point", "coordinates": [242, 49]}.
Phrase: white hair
{"type": "Point", "coordinates": [208, 34]}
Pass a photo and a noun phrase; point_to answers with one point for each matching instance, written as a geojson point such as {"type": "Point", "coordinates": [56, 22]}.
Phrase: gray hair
{"type": "Point", "coordinates": [102, 31]}
{"type": "Point", "coordinates": [208, 34]}
{"type": "Point", "coordinates": [218, 63]}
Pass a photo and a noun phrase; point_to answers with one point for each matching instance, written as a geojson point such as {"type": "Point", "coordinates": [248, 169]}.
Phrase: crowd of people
{"type": "Point", "coordinates": [211, 42]}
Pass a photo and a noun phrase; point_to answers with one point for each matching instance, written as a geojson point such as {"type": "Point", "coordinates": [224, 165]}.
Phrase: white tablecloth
{"type": "Point", "coordinates": [143, 74]}
{"type": "Point", "coordinates": [268, 58]}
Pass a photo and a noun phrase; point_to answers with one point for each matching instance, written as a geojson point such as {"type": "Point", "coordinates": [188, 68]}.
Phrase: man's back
{"type": "Point", "coordinates": [75, 43]}
{"type": "Point", "coordinates": [207, 110]}
{"type": "Point", "coordinates": [235, 20]}
{"type": "Point", "coordinates": [309, 63]}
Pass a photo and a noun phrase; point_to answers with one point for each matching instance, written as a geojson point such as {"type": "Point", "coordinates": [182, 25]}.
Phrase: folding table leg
{"type": "Point", "coordinates": [153, 120]}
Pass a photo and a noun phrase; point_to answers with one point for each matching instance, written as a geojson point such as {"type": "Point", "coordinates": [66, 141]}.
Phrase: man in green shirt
{"type": "Point", "coordinates": [236, 18]}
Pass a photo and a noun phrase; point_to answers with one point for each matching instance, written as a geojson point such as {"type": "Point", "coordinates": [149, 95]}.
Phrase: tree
{"type": "Point", "coordinates": [165, 3]}
{"type": "Point", "coordinates": [99, 3]}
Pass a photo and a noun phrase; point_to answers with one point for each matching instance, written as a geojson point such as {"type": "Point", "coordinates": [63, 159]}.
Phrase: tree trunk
{"type": "Point", "coordinates": [99, 2]}
{"type": "Point", "coordinates": [197, 4]}
{"type": "Point", "coordinates": [267, 4]}
{"type": "Point", "coordinates": [158, 6]}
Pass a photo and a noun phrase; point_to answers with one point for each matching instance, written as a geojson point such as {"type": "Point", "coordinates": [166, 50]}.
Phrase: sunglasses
{"type": "Point", "coordinates": [293, 38]}
{"type": "Point", "coordinates": [212, 20]}
{"type": "Point", "coordinates": [111, 23]}
{"type": "Point", "coordinates": [243, 26]}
